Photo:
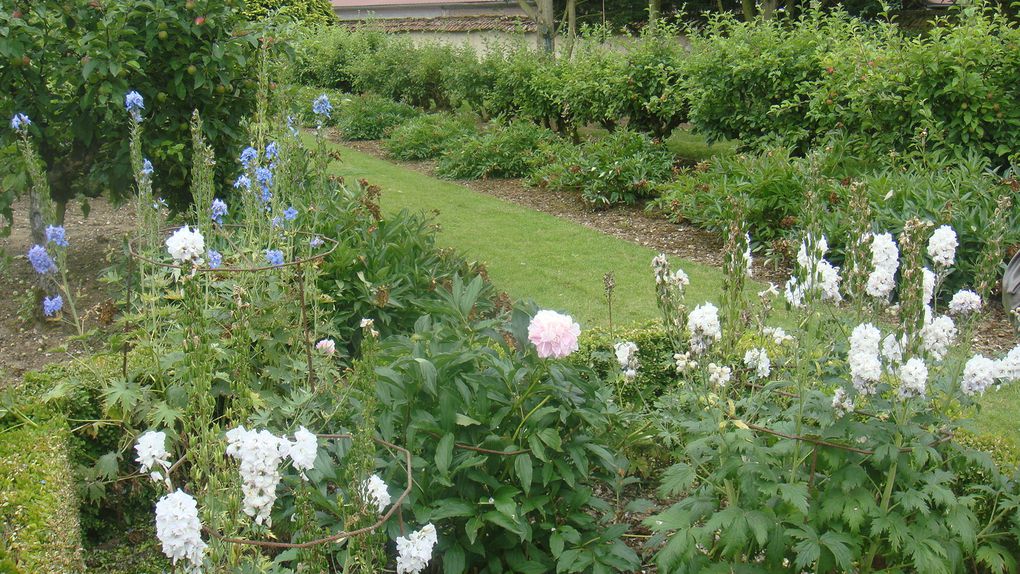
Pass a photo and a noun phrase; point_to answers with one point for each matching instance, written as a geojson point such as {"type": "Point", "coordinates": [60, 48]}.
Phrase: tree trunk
{"type": "Point", "coordinates": [748, 8]}
{"type": "Point", "coordinates": [654, 12]}
{"type": "Point", "coordinates": [768, 9]}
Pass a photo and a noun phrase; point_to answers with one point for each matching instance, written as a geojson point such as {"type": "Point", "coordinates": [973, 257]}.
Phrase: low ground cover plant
{"type": "Point", "coordinates": [371, 117]}
{"type": "Point", "coordinates": [427, 137]}
{"type": "Point", "coordinates": [510, 150]}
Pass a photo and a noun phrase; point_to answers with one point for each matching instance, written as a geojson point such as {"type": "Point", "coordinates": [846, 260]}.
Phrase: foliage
{"type": "Point", "coordinates": [455, 385]}
{"type": "Point", "coordinates": [406, 73]}
{"type": "Point", "coordinates": [70, 69]}
{"type": "Point", "coordinates": [622, 167]}
{"type": "Point", "coordinates": [657, 374]}
{"type": "Point", "coordinates": [371, 117]}
{"type": "Point", "coordinates": [38, 506]}
{"type": "Point", "coordinates": [501, 151]}
{"type": "Point", "coordinates": [427, 136]}
{"type": "Point", "coordinates": [306, 12]}
{"type": "Point", "coordinates": [323, 56]}
{"type": "Point", "coordinates": [654, 101]}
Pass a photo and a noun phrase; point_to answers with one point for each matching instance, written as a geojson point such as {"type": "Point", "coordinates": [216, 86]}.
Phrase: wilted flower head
{"type": "Point", "coordinates": [704, 327]}
{"type": "Point", "coordinates": [965, 302]}
{"type": "Point", "coordinates": [55, 234]}
{"type": "Point", "coordinates": [553, 334]}
{"type": "Point", "coordinates": [179, 529]}
{"type": "Point", "coordinates": [40, 260]}
{"type": "Point", "coordinates": [684, 362]}
{"type": "Point", "coordinates": [20, 122]}
{"type": "Point", "coordinates": [326, 347]}
{"type": "Point", "coordinates": [186, 246]}
{"type": "Point", "coordinates": [942, 246]}
{"type": "Point", "coordinates": [52, 305]}
{"type": "Point", "coordinates": [322, 107]}
{"type": "Point", "coordinates": [842, 403]}
{"type": "Point", "coordinates": [134, 104]}
{"type": "Point", "coordinates": [415, 550]}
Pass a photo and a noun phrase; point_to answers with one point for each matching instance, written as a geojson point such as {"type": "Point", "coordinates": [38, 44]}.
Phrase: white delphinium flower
{"type": "Point", "coordinates": [965, 302]}
{"type": "Point", "coordinates": [260, 453]}
{"type": "Point", "coordinates": [415, 550]}
{"type": "Point", "coordinates": [748, 257]}
{"type": "Point", "coordinates": [821, 275]}
{"type": "Point", "coordinates": [942, 246]}
{"type": "Point", "coordinates": [913, 378]}
{"type": "Point", "coordinates": [151, 449]}
{"type": "Point", "coordinates": [180, 530]}
{"type": "Point", "coordinates": [758, 361]}
{"type": "Point", "coordinates": [794, 292]}
{"type": "Point", "coordinates": [928, 283]}
{"type": "Point", "coordinates": [938, 335]}
{"type": "Point", "coordinates": [865, 365]}
{"type": "Point", "coordinates": [718, 375]}
{"type": "Point", "coordinates": [892, 350]}
{"type": "Point", "coordinates": [186, 246]}
{"type": "Point", "coordinates": [679, 279]}
{"type": "Point", "coordinates": [660, 266]}
{"type": "Point", "coordinates": [684, 362]}
{"type": "Point", "coordinates": [375, 492]}
{"type": "Point", "coordinates": [778, 334]}
{"type": "Point", "coordinates": [842, 403]}
{"type": "Point", "coordinates": [770, 291]}
{"type": "Point", "coordinates": [303, 450]}
{"type": "Point", "coordinates": [979, 373]}
{"type": "Point", "coordinates": [1009, 366]}
{"type": "Point", "coordinates": [885, 261]}
{"type": "Point", "coordinates": [703, 325]}
{"type": "Point", "coordinates": [626, 356]}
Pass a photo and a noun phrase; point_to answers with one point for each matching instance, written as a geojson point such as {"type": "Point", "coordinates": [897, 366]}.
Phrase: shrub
{"type": "Point", "coordinates": [371, 117]}
{"type": "Point", "coordinates": [622, 167]}
{"type": "Point", "coordinates": [455, 386]}
{"type": "Point", "coordinates": [305, 12]}
{"type": "Point", "coordinates": [406, 73]}
{"type": "Point", "coordinates": [592, 87]}
{"type": "Point", "coordinates": [654, 99]}
{"type": "Point", "coordinates": [501, 151]}
{"type": "Point", "coordinates": [323, 56]}
{"type": "Point", "coordinates": [427, 136]}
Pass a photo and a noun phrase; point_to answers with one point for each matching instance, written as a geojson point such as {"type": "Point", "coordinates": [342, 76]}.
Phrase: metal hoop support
{"type": "Point", "coordinates": [342, 534]}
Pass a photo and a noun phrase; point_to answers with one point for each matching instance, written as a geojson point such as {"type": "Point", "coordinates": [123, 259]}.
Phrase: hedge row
{"type": "Point", "coordinates": [764, 82]}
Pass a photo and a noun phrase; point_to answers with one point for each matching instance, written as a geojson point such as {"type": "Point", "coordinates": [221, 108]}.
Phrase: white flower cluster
{"type": "Point", "coordinates": [885, 261]}
{"type": "Point", "coordinates": [758, 361]}
{"type": "Point", "coordinates": [180, 530]}
{"type": "Point", "coordinates": [261, 453]}
{"type": "Point", "coordinates": [979, 373]}
{"type": "Point", "coordinates": [626, 355]}
{"type": "Point", "coordinates": [842, 403]}
{"type": "Point", "coordinates": [821, 275]}
{"type": "Point", "coordinates": [1009, 366]}
{"type": "Point", "coordinates": [186, 246]}
{"type": "Point", "coordinates": [374, 491]}
{"type": "Point", "coordinates": [938, 335]}
{"type": "Point", "coordinates": [965, 302]}
{"type": "Point", "coordinates": [865, 365]}
{"type": "Point", "coordinates": [913, 378]}
{"type": "Point", "coordinates": [748, 258]}
{"type": "Point", "coordinates": [778, 334]}
{"type": "Point", "coordinates": [718, 375]}
{"type": "Point", "coordinates": [415, 550]}
{"type": "Point", "coordinates": [892, 350]}
{"type": "Point", "coordinates": [942, 246]}
{"type": "Point", "coordinates": [151, 449]}
{"type": "Point", "coordinates": [928, 284]}
{"type": "Point", "coordinates": [663, 276]}
{"type": "Point", "coordinates": [684, 362]}
{"type": "Point", "coordinates": [703, 325]}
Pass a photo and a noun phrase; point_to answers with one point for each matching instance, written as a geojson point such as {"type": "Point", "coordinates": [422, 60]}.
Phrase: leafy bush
{"type": "Point", "coordinates": [501, 151]}
{"type": "Point", "coordinates": [426, 137]}
{"type": "Point", "coordinates": [306, 12]}
{"type": "Point", "coordinates": [323, 56]}
{"type": "Point", "coordinates": [622, 167]}
{"type": "Point", "coordinates": [654, 99]}
{"type": "Point", "coordinates": [454, 386]}
{"type": "Point", "coordinates": [371, 117]}
{"type": "Point", "coordinates": [406, 73]}
{"type": "Point", "coordinates": [592, 87]}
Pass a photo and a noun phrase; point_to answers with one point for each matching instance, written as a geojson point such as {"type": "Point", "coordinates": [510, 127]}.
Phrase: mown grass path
{"type": "Point", "coordinates": [530, 254]}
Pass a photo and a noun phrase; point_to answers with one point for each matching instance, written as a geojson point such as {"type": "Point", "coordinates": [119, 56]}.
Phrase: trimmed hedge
{"type": "Point", "coordinates": [38, 505]}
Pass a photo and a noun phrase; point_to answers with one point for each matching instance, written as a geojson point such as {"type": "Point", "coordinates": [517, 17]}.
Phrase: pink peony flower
{"type": "Point", "coordinates": [554, 335]}
{"type": "Point", "coordinates": [326, 347]}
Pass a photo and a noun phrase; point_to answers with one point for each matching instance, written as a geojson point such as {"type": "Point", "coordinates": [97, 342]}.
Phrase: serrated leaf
{"type": "Point", "coordinates": [677, 479]}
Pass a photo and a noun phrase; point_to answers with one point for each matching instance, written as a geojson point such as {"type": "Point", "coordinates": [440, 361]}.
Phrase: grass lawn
{"type": "Point", "coordinates": [693, 147]}
{"type": "Point", "coordinates": [530, 254]}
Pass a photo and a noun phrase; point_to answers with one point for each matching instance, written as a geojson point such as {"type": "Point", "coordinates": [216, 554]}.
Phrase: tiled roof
{"type": "Point", "coordinates": [449, 24]}
{"type": "Point", "coordinates": [368, 4]}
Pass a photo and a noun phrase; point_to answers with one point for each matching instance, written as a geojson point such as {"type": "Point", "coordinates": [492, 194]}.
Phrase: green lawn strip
{"type": "Point", "coordinates": [531, 254]}
{"type": "Point", "coordinates": [694, 147]}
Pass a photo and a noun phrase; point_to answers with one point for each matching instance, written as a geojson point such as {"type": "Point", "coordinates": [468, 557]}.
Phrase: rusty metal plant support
{"type": "Point", "coordinates": [342, 534]}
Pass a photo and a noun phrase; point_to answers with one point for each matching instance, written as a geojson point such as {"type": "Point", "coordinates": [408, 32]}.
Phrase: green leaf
{"type": "Point", "coordinates": [839, 545]}
{"type": "Point", "coordinates": [454, 561]}
{"type": "Point", "coordinates": [522, 464]}
{"type": "Point", "coordinates": [466, 421]}
{"type": "Point", "coordinates": [677, 479]}
{"type": "Point", "coordinates": [795, 495]}
{"type": "Point", "coordinates": [551, 438]}
{"type": "Point", "coordinates": [556, 544]}
{"type": "Point", "coordinates": [444, 453]}
{"type": "Point", "coordinates": [451, 507]}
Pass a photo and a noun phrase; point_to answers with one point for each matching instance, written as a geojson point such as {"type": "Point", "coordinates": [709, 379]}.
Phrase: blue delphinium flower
{"type": "Point", "coordinates": [160, 203]}
{"type": "Point", "coordinates": [321, 106]}
{"type": "Point", "coordinates": [290, 126]}
{"type": "Point", "coordinates": [290, 214]}
{"type": "Point", "coordinates": [266, 196]}
{"type": "Point", "coordinates": [56, 234]}
{"type": "Point", "coordinates": [20, 122]}
{"type": "Point", "coordinates": [134, 104]}
{"type": "Point", "coordinates": [315, 242]}
{"type": "Point", "coordinates": [272, 152]}
{"type": "Point", "coordinates": [218, 209]}
{"type": "Point", "coordinates": [215, 259]}
{"type": "Point", "coordinates": [40, 260]}
{"type": "Point", "coordinates": [274, 257]}
{"type": "Point", "coordinates": [52, 305]}
{"type": "Point", "coordinates": [264, 176]}
{"type": "Point", "coordinates": [146, 167]}
{"type": "Point", "coordinates": [276, 222]}
{"type": "Point", "coordinates": [249, 156]}
{"type": "Point", "coordinates": [243, 182]}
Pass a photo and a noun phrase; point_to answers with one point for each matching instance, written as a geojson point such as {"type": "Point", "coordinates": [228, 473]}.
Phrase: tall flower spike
{"type": "Point", "coordinates": [134, 104]}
